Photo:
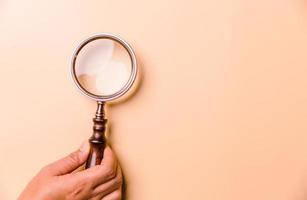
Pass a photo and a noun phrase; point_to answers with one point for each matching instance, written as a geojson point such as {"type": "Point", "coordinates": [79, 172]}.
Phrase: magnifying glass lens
{"type": "Point", "coordinates": [103, 67]}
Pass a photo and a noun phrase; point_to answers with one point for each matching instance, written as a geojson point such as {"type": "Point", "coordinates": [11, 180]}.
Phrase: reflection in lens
{"type": "Point", "coordinates": [103, 67]}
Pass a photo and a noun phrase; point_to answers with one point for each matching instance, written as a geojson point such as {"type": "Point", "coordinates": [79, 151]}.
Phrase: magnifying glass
{"type": "Point", "coordinates": [103, 68]}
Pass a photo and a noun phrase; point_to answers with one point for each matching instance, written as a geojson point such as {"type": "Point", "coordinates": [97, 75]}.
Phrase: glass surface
{"type": "Point", "coordinates": [103, 67]}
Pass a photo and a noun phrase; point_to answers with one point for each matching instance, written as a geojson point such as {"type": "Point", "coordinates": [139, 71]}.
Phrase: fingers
{"type": "Point", "coordinates": [110, 186]}
{"type": "Point", "coordinates": [102, 173]}
{"type": "Point", "coordinates": [70, 162]}
{"type": "Point", "coordinates": [102, 179]}
{"type": "Point", "coordinates": [116, 195]}
{"type": "Point", "coordinates": [109, 190]}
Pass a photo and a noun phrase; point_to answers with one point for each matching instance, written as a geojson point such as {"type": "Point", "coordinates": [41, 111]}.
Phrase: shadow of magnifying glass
{"type": "Point", "coordinates": [132, 94]}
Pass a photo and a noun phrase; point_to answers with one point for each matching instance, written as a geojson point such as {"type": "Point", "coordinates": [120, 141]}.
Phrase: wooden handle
{"type": "Point", "coordinates": [96, 154]}
{"type": "Point", "coordinates": [98, 140]}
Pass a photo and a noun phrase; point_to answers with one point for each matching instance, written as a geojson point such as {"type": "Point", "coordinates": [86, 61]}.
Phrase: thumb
{"type": "Point", "coordinates": [71, 162]}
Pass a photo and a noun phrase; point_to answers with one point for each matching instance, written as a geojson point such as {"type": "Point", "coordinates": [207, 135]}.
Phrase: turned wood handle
{"type": "Point", "coordinates": [96, 154]}
{"type": "Point", "coordinates": [98, 140]}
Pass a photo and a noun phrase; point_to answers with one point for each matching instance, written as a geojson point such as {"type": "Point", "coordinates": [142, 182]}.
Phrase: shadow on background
{"type": "Point", "coordinates": [124, 190]}
{"type": "Point", "coordinates": [132, 93]}
{"type": "Point", "coordinates": [134, 90]}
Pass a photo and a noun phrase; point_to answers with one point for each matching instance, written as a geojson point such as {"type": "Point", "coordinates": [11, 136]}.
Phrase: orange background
{"type": "Point", "coordinates": [220, 113]}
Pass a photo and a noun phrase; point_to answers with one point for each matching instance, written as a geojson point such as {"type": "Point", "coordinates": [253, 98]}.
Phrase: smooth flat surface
{"type": "Point", "coordinates": [220, 115]}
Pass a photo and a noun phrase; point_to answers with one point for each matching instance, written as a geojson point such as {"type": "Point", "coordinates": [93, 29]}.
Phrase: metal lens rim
{"type": "Point", "coordinates": [127, 86]}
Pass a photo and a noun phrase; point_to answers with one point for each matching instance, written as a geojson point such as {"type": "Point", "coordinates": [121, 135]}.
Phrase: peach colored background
{"type": "Point", "coordinates": [221, 113]}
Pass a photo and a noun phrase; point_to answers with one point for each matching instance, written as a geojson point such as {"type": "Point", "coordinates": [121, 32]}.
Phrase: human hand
{"type": "Point", "coordinates": [61, 180]}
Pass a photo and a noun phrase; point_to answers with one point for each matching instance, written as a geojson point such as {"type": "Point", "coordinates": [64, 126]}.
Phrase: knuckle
{"type": "Point", "coordinates": [118, 181]}
{"type": "Point", "coordinates": [78, 191]}
{"type": "Point", "coordinates": [74, 157]}
{"type": "Point", "coordinates": [110, 172]}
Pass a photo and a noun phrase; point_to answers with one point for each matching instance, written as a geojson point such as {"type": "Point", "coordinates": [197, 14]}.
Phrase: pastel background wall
{"type": "Point", "coordinates": [221, 112]}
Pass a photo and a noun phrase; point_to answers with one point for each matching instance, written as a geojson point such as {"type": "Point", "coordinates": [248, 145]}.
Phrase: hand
{"type": "Point", "coordinates": [62, 181]}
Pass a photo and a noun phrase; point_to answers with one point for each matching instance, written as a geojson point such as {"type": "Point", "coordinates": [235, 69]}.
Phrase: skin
{"type": "Point", "coordinates": [62, 180]}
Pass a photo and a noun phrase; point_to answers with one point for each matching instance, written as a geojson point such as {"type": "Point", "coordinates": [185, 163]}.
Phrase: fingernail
{"type": "Point", "coordinates": [84, 147]}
